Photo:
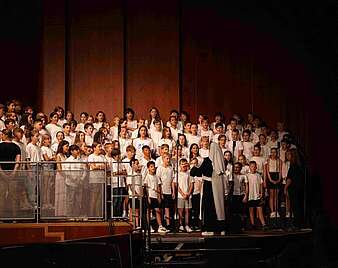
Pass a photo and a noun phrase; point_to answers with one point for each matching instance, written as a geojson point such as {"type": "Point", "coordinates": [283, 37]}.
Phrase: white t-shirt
{"type": "Point", "coordinates": [193, 139]}
{"type": "Point", "coordinates": [34, 153]}
{"type": "Point", "coordinates": [260, 161]}
{"type": "Point", "coordinates": [156, 137]}
{"type": "Point", "coordinates": [96, 176]}
{"type": "Point", "coordinates": [239, 183]}
{"type": "Point", "coordinates": [139, 143]}
{"type": "Point", "coordinates": [204, 152]}
{"type": "Point", "coordinates": [265, 151]}
{"type": "Point", "coordinates": [76, 170]}
{"type": "Point", "coordinates": [114, 132]}
{"type": "Point", "coordinates": [248, 148]}
{"type": "Point", "coordinates": [70, 139]}
{"type": "Point", "coordinates": [52, 130]}
{"type": "Point", "coordinates": [152, 182]}
{"type": "Point", "coordinates": [184, 182]}
{"type": "Point", "coordinates": [124, 143]}
{"type": "Point", "coordinates": [89, 140]}
{"type": "Point", "coordinates": [137, 177]}
{"type": "Point", "coordinates": [245, 169]}
{"type": "Point", "coordinates": [47, 150]}
{"type": "Point", "coordinates": [166, 175]}
{"type": "Point", "coordinates": [170, 143]}
{"type": "Point", "coordinates": [255, 182]}
{"type": "Point", "coordinates": [174, 133]}
{"type": "Point", "coordinates": [97, 125]}
{"type": "Point", "coordinates": [118, 167]}
{"type": "Point", "coordinates": [80, 127]}
{"type": "Point", "coordinates": [207, 133]}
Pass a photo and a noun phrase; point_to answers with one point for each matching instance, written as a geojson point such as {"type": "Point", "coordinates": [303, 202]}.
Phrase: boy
{"type": "Point", "coordinates": [166, 174]}
{"type": "Point", "coordinates": [66, 132]}
{"type": "Point", "coordinates": [153, 186]}
{"type": "Point", "coordinates": [255, 195]}
{"type": "Point", "coordinates": [234, 145]}
{"type": "Point", "coordinates": [163, 149]}
{"type": "Point", "coordinates": [193, 137]}
{"type": "Point", "coordinates": [219, 130]}
{"type": "Point", "coordinates": [248, 146]}
{"type": "Point", "coordinates": [89, 135]}
{"type": "Point", "coordinates": [184, 184]}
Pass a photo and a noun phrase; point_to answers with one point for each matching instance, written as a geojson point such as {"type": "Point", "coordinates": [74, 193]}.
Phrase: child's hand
{"type": "Point", "coordinates": [173, 195]}
{"type": "Point", "coordinates": [259, 196]}
{"type": "Point", "coordinates": [245, 199]}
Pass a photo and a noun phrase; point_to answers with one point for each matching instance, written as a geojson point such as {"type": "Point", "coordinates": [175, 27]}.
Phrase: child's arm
{"type": "Point", "coordinates": [173, 189]}
{"type": "Point", "coordinates": [181, 192]}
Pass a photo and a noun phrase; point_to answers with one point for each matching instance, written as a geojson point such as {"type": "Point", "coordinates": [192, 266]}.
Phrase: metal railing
{"type": "Point", "coordinates": [39, 191]}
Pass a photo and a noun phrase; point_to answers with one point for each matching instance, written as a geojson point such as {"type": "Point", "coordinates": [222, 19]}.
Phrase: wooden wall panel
{"type": "Point", "coordinates": [96, 57]}
{"type": "Point", "coordinates": [52, 92]}
{"type": "Point", "coordinates": [152, 56]}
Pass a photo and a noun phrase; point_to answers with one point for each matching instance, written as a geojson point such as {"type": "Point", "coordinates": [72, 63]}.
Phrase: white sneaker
{"type": "Point", "coordinates": [207, 233]}
{"type": "Point", "coordinates": [181, 229]}
{"type": "Point", "coordinates": [223, 233]}
{"type": "Point", "coordinates": [278, 215]}
{"type": "Point", "coordinates": [287, 215]}
{"type": "Point", "coordinates": [162, 229]}
{"type": "Point", "coordinates": [272, 214]}
{"type": "Point", "coordinates": [124, 214]}
{"type": "Point", "coordinates": [152, 230]}
{"type": "Point", "coordinates": [188, 229]}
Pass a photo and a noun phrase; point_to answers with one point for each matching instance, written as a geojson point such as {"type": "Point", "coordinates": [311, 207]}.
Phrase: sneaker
{"type": "Point", "coordinates": [278, 214]}
{"type": "Point", "coordinates": [188, 229]}
{"type": "Point", "coordinates": [162, 229]}
{"type": "Point", "coordinates": [207, 233]}
{"type": "Point", "coordinates": [152, 229]}
{"type": "Point", "coordinates": [124, 214]}
{"type": "Point", "coordinates": [272, 214]}
{"type": "Point", "coordinates": [181, 229]}
{"type": "Point", "coordinates": [223, 233]}
{"type": "Point", "coordinates": [287, 215]}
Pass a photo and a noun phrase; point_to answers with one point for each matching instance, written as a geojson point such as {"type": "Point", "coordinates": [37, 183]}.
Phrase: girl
{"type": "Point", "coordinates": [124, 142]}
{"type": "Point", "coordinates": [100, 118]}
{"type": "Point", "coordinates": [273, 175]}
{"type": "Point", "coordinates": [79, 138]}
{"type": "Point", "coordinates": [273, 139]}
{"type": "Point", "coordinates": [129, 122]}
{"type": "Point", "coordinates": [182, 140]}
{"type": "Point", "coordinates": [141, 140]}
{"type": "Point", "coordinates": [83, 120]}
{"type": "Point", "coordinates": [193, 137]}
{"type": "Point", "coordinates": [53, 126]}
{"type": "Point", "coordinates": [61, 114]}
{"type": "Point", "coordinates": [218, 119]}
{"type": "Point", "coordinates": [167, 139]}
{"type": "Point", "coordinates": [26, 121]}
{"type": "Point", "coordinates": [154, 115]}
{"type": "Point", "coordinates": [97, 165]}
{"type": "Point", "coordinates": [248, 146]}
{"type": "Point", "coordinates": [69, 116]}
{"type": "Point", "coordinates": [47, 182]}
{"type": "Point", "coordinates": [60, 136]}
{"type": "Point", "coordinates": [62, 154]}
{"type": "Point", "coordinates": [264, 148]}
{"type": "Point", "coordinates": [204, 146]}
{"type": "Point", "coordinates": [228, 162]}
{"type": "Point", "coordinates": [115, 128]}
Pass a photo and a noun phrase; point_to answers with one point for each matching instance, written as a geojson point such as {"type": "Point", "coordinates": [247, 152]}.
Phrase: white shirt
{"type": "Point", "coordinates": [166, 175]}
{"type": "Point", "coordinates": [170, 143]}
{"type": "Point", "coordinates": [137, 177]}
{"type": "Point", "coordinates": [184, 182]}
{"type": "Point", "coordinates": [47, 150]}
{"type": "Point", "coordinates": [89, 140]}
{"type": "Point", "coordinates": [260, 161]}
{"type": "Point", "coordinates": [124, 143]}
{"type": "Point", "coordinates": [255, 181]}
{"type": "Point", "coordinates": [114, 132]}
{"type": "Point", "coordinates": [152, 182]}
{"type": "Point", "coordinates": [234, 151]}
{"type": "Point", "coordinates": [207, 133]}
{"type": "Point", "coordinates": [193, 139]}
{"type": "Point", "coordinates": [76, 171]}
{"type": "Point", "coordinates": [34, 153]}
{"type": "Point", "coordinates": [139, 143]}
{"type": "Point", "coordinates": [52, 130]}
{"type": "Point", "coordinates": [204, 153]}
{"type": "Point", "coordinates": [156, 137]}
{"type": "Point", "coordinates": [239, 183]}
{"type": "Point", "coordinates": [118, 167]}
{"type": "Point", "coordinates": [96, 176]}
{"type": "Point", "coordinates": [248, 147]}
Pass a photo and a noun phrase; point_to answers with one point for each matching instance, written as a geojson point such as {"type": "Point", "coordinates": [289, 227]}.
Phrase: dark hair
{"type": "Point", "coordinates": [218, 125]}
{"type": "Point", "coordinates": [129, 110]}
{"type": "Point", "coordinates": [183, 160]}
{"type": "Point", "coordinates": [115, 152]}
{"type": "Point", "coordinates": [190, 153]}
{"type": "Point", "coordinates": [185, 139]}
{"type": "Point", "coordinates": [104, 116]}
{"type": "Point", "coordinates": [145, 147]}
{"type": "Point", "coordinates": [60, 147]}
{"type": "Point", "coordinates": [252, 162]}
{"type": "Point", "coordinates": [74, 147]}
{"type": "Point", "coordinates": [57, 108]}
{"type": "Point", "coordinates": [150, 163]}
{"type": "Point", "coordinates": [138, 133]}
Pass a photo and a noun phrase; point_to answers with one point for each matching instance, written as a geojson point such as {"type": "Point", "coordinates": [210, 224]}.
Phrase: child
{"type": "Point", "coordinates": [129, 122]}
{"type": "Point", "coordinates": [260, 160]}
{"type": "Point", "coordinates": [255, 196]}
{"type": "Point", "coordinates": [83, 120]}
{"type": "Point", "coordinates": [53, 127]}
{"type": "Point", "coordinates": [273, 178]}
{"type": "Point", "coordinates": [174, 127]}
{"type": "Point", "coordinates": [167, 139]}
{"type": "Point", "coordinates": [166, 174]}
{"type": "Point", "coordinates": [97, 166]}
{"type": "Point", "coordinates": [141, 122]}
{"type": "Point", "coordinates": [184, 184]}
{"type": "Point", "coordinates": [204, 146]}
{"type": "Point", "coordinates": [134, 174]}
{"type": "Point", "coordinates": [114, 129]}
{"type": "Point", "coordinates": [47, 184]}
{"type": "Point", "coordinates": [205, 131]}
{"type": "Point", "coordinates": [234, 145]}
{"type": "Point", "coordinates": [245, 166]}
{"type": "Point", "coordinates": [240, 193]}
{"type": "Point", "coordinates": [66, 131]}
{"type": "Point", "coordinates": [222, 142]}
{"type": "Point", "coordinates": [193, 137]}
{"type": "Point", "coordinates": [248, 146]}
{"type": "Point", "coordinates": [89, 133]}
{"type": "Point", "coordinates": [230, 128]}
{"type": "Point", "coordinates": [59, 137]}
{"type": "Point", "coordinates": [141, 140]}
{"type": "Point", "coordinates": [153, 188]}
{"type": "Point", "coordinates": [196, 195]}
{"type": "Point", "coordinates": [118, 184]}
{"type": "Point", "coordinates": [163, 149]}
{"type": "Point", "coordinates": [100, 118]}
{"type": "Point", "coordinates": [154, 115]}
{"type": "Point", "coordinates": [219, 130]}
{"type": "Point", "coordinates": [265, 151]}
{"type": "Point", "coordinates": [182, 140]}
{"type": "Point", "coordinates": [156, 135]}
{"type": "Point", "coordinates": [124, 142]}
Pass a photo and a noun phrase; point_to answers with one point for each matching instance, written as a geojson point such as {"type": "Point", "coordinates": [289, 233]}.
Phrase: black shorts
{"type": "Point", "coordinates": [168, 201]}
{"type": "Point", "coordinates": [274, 176]}
{"type": "Point", "coordinates": [255, 203]}
{"type": "Point", "coordinates": [154, 203]}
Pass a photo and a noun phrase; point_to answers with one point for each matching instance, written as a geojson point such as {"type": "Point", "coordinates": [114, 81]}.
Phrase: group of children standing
{"type": "Point", "coordinates": [157, 158]}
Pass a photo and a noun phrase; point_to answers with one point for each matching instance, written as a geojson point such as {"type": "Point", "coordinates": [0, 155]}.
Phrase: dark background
{"type": "Point", "coordinates": [274, 58]}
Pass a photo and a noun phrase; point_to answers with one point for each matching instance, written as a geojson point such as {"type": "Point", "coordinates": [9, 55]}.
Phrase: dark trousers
{"type": "Point", "coordinates": [195, 211]}
{"type": "Point", "coordinates": [297, 207]}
